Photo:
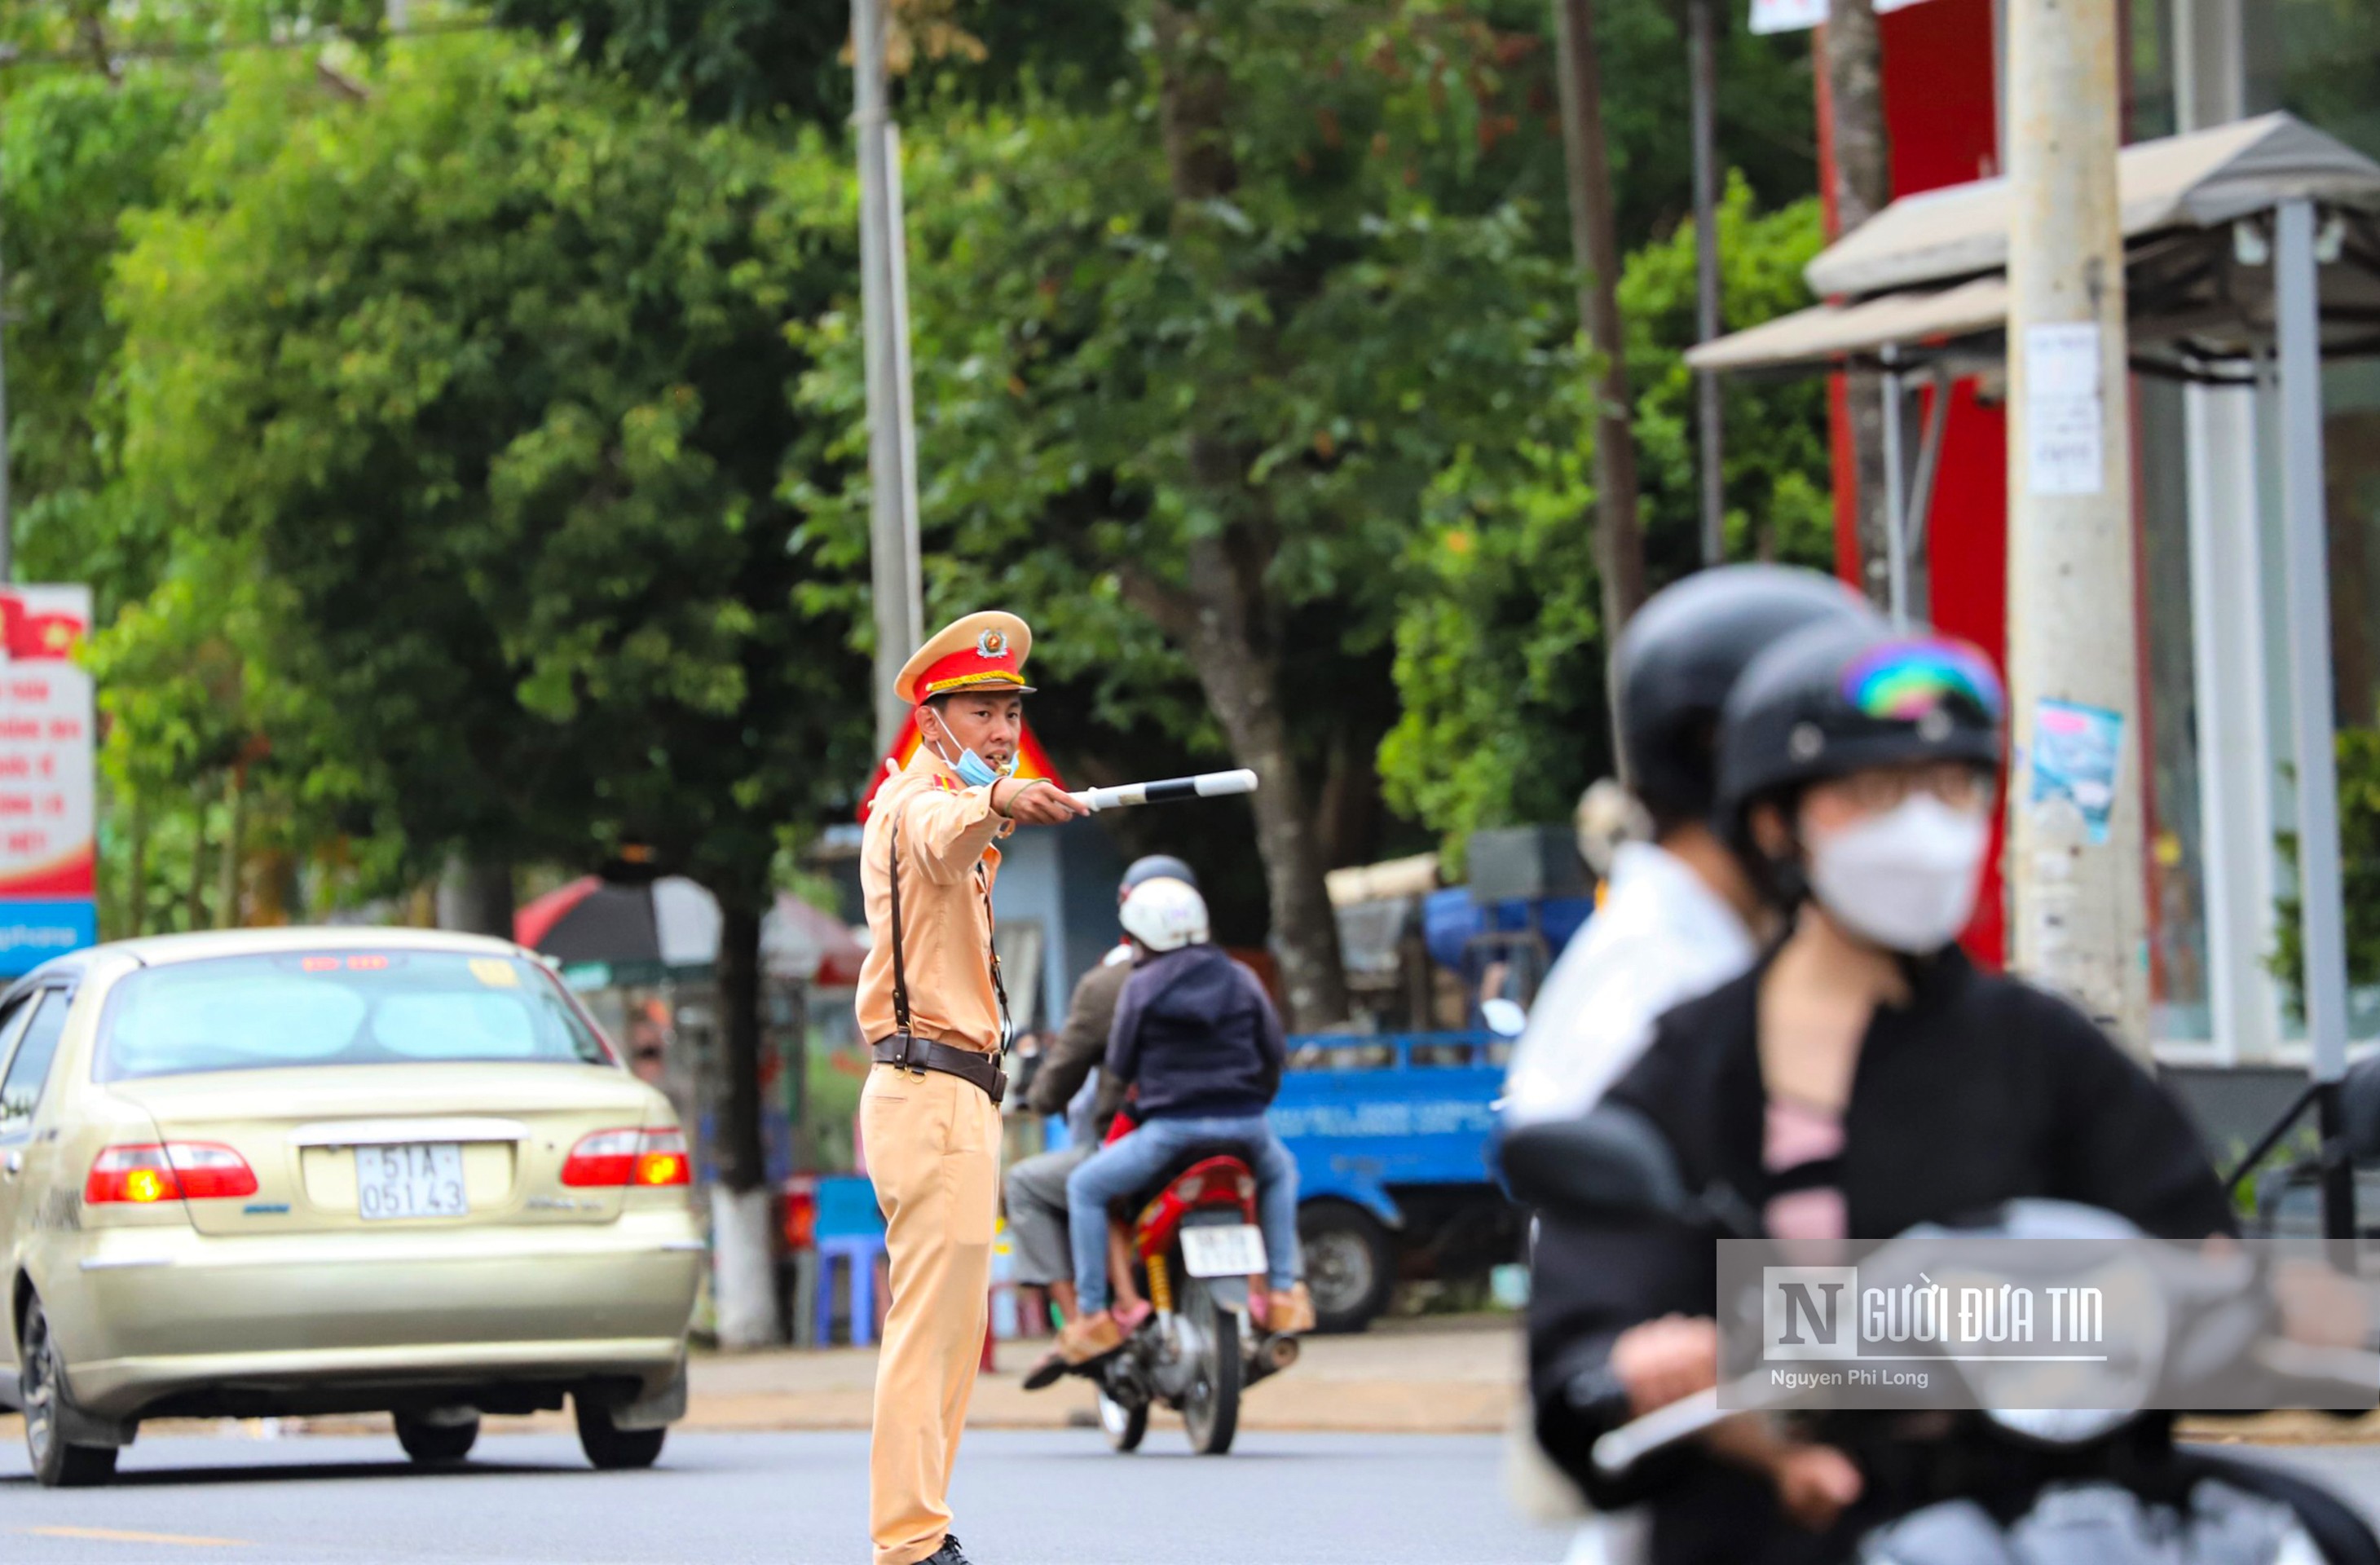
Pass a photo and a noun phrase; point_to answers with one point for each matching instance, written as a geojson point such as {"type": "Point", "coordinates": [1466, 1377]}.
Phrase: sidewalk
{"type": "Point", "coordinates": [1448, 1374]}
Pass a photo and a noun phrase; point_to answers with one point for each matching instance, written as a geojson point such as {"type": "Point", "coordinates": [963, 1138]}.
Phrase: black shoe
{"type": "Point", "coordinates": [948, 1554]}
{"type": "Point", "coordinates": [1049, 1371]}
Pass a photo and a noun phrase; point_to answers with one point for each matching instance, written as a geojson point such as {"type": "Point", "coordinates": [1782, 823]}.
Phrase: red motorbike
{"type": "Point", "coordinates": [1194, 1248]}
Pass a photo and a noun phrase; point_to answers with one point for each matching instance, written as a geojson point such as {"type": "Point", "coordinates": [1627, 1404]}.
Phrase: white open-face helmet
{"type": "Point", "coordinates": [1165, 915]}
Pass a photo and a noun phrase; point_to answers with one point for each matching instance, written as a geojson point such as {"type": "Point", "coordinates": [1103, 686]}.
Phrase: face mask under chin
{"type": "Point", "coordinates": [1906, 879]}
{"type": "Point", "coordinates": [973, 770]}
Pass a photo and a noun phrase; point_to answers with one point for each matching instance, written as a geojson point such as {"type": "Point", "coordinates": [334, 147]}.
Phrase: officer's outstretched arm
{"type": "Point", "coordinates": [944, 831]}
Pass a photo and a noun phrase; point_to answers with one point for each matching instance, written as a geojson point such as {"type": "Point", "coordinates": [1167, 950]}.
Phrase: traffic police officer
{"type": "Point", "coordinates": [934, 1012]}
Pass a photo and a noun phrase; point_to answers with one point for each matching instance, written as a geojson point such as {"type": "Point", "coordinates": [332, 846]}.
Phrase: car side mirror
{"type": "Point", "coordinates": [1614, 1162]}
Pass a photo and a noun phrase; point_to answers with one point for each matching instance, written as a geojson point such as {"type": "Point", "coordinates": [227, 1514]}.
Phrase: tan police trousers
{"type": "Point", "coordinates": [933, 1152]}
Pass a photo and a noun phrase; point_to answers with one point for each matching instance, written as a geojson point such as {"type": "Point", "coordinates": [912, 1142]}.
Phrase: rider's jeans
{"type": "Point", "coordinates": [1123, 1167]}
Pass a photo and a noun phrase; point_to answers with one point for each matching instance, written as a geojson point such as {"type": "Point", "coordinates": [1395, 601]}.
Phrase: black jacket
{"type": "Point", "coordinates": [1981, 1090]}
{"type": "Point", "coordinates": [1082, 1044]}
{"type": "Point", "coordinates": [1197, 1034]}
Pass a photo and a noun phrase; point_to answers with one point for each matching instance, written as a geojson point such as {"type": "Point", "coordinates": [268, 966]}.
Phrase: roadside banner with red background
{"type": "Point", "coordinates": [1032, 760]}
{"type": "Point", "coordinates": [47, 847]}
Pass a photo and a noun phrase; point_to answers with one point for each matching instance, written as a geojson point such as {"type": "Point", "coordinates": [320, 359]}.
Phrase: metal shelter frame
{"type": "Point", "coordinates": [2250, 250]}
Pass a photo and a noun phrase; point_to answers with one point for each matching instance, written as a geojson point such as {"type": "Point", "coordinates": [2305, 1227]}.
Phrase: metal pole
{"type": "Point", "coordinates": [8, 520]}
{"type": "Point", "coordinates": [2076, 869]}
{"type": "Point", "coordinates": [893, 573]}
{"type": "Point", "coordinates": [1705, 97]}
{"type": "Point", "coordinates": [1896, 501]}
{"type": "Point", "coordinates": [2297, 321]}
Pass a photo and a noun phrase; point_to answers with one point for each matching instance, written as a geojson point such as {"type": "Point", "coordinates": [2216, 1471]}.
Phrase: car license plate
{"type": "Point", "coordinates": [421, 1180]}
{"type": "Point", "coordinates": [1237, 1251]}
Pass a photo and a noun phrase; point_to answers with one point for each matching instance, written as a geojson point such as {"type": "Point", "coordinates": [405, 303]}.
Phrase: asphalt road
{"type": "Point", "coordinates": [1023, 1497]}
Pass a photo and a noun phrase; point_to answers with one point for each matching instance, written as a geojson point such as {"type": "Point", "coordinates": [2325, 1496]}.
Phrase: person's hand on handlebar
{"type": "Point", "coordinates": [1033, 802]}
{"type": "Point", "coordinates": [1666, 1361]}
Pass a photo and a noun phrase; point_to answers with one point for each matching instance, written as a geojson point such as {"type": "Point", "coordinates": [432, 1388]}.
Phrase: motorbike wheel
{"type": "Point", "coordinates": [1210, 1409]}
{"type": "Point", "coordinates": [1126, 1423]}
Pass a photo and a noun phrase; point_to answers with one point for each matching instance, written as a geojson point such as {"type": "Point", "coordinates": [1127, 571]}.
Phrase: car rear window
{"type": "Point", "coordinates": [339, 1008]}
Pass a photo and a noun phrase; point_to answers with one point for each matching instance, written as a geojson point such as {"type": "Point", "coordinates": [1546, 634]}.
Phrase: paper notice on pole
{"type": "Point", "coordinates": [2064, 410]}
{"type": "Point", "coordinates": [2076, 752]}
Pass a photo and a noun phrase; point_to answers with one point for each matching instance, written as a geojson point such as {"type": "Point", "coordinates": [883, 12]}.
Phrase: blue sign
{"type": "Point", "coordinates": [31, 932]}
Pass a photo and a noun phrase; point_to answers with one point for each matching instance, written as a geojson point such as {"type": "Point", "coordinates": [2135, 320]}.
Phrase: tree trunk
{"type": "Point", "coordinates": [475, 897]}
{"type": "Point", "coordinates": [1595, 246]}
{"type": "Point", "coordinates": [1863, 187]}
{"type": "Point", "coordinates": [234, 847]}
{"type": "Point", "coordinates": [743, 1238]}
{"type": "Point", "coordinates": [1242, 683]}
{"type": "Point", "coordinates": [195, 917]}
{"type": "Point", "coordinates": [741, 1163]}
{"type": "Point", "coordinates": [1223, 615]}
{"type": "Point", "coordinates": [136, 902]}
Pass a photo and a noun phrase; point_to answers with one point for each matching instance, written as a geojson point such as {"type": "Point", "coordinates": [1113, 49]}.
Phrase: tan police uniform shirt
{"type": "Point", "coordinates": [948, 866]}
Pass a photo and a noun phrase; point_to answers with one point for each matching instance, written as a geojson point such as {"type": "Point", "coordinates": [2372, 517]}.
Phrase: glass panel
{"type": "Point", "coordinates": [20, 1093]}
{"type": "Point", "coordinates": [2177, 988]}
{"type": "Point", "coordinates": [341, 1008]}
{"type": "Point", "coordinates": [2319, 59]}
{"type": "Point", "coordinates": [2150, 27]}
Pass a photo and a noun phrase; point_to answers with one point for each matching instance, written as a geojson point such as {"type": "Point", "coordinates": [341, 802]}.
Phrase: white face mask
{"type": "Point", "coordinates": [1906, 879]}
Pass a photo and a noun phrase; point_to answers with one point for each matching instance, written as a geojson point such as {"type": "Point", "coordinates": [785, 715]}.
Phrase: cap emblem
{"type": "Point", "coordinates": [1804, 742]}
{"type": "Point", "coordinates": [993, 643]}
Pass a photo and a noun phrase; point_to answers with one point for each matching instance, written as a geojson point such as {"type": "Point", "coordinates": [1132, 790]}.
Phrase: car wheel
{"type": "Point", "coordinates": [42, 1368]}
{"type": "Point", "coordinates": [437, 1443]}
{"type": "Point", "coordinates": [1350, 1264]}
{"type": "Point", "coordinates": [608, 1446]}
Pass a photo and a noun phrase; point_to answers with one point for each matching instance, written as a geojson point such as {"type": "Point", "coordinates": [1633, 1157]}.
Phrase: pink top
{"type": "Point", "coordinates": [1798, 1135]}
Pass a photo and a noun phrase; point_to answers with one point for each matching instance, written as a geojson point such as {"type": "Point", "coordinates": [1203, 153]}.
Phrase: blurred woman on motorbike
{"type": "Point", "coordinates": [1862, 1078]}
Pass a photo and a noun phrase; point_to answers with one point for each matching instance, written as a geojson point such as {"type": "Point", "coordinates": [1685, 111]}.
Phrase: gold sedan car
{"type": "Point", "coordinates": [332, 1170]}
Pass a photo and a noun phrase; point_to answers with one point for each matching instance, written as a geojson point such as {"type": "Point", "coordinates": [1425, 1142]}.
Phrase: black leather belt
{"type": "Point", "coordinates": [924, 1054]}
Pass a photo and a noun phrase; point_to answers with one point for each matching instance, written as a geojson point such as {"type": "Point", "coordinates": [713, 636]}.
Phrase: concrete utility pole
{"type": "Point", "coordinates": [893, 570]}
{"type": "Point", "coordinates": [2075, 818]}
{"type": "Point", "coordinates": [1704, 68]}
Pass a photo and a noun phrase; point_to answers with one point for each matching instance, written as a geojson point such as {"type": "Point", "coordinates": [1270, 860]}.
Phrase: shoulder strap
{"type": "Point", "coordinates": [991, 942]}
{"type": "Point", "coordinates": [900, 973]}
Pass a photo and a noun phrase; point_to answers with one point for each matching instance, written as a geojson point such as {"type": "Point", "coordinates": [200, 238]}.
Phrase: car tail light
{"type": "Point", "coordinates": [662, 1160]}
{"type": "Point", "coordinates": [629, 1156]}
{"type": "Point", "coordinates": [1191, 1188]}
{"type": "Point", "coordinates": [144, 1175]}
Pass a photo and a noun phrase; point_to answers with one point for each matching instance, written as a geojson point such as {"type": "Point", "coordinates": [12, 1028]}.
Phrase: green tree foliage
{"type": "Point", "coordinates": [488, 374]}
{"type": "Point", "coordinates": [749, 59]}
{"type": "Point", "coordinates": [1500, 645]}
{"type": "Point", "coordinates": [78, 152]}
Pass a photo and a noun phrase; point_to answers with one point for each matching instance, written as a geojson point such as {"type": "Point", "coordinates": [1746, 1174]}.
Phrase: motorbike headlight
{"type": "Point", "coordinates": [2058, 1425]}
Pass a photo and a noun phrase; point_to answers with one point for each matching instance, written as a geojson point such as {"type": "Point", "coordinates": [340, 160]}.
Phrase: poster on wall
{"type": "Point", "coordinates": [47, 855]}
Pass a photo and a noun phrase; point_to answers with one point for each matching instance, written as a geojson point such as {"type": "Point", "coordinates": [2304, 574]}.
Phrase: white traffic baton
{"type": "Point", "coordinates": [1206, 785]}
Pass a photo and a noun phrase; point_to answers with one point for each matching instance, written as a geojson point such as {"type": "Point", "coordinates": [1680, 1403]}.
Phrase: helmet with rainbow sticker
{"type": "Point", "coordinates": [1842, 697]}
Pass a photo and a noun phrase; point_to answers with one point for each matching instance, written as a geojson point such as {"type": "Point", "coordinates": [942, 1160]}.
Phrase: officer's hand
{"type": "Point", "coordinates": [1035, 803]}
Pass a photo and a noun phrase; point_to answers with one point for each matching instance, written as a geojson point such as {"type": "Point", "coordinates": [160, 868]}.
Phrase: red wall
{"type": "Point", "coordinates": [1941, 113]}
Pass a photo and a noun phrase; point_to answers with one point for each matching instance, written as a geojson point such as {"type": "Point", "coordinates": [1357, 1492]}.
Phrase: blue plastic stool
{"type": "Point", "coordinates": [860, 1251]}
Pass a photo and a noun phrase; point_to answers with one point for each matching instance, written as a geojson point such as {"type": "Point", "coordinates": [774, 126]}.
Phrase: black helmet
{"type": "Point", "coordinates": [1681, 654]}
{"type": "Point", "coordinates": [1157, 866]}
{"type": "Point", "coordinates": [1833, 699]}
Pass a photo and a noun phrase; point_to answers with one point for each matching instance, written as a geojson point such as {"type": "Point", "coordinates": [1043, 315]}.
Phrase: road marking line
{"type": "Point", "coordinates": [109, 1535]}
